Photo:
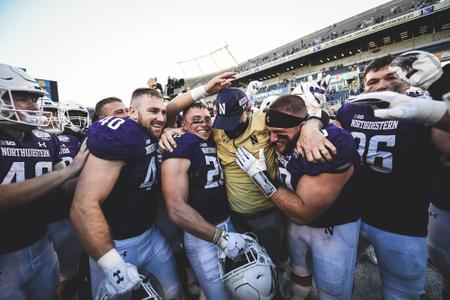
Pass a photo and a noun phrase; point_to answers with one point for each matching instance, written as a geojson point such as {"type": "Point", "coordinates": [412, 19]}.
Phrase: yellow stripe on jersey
{"type": "Point", "coordinates": [243, 194]}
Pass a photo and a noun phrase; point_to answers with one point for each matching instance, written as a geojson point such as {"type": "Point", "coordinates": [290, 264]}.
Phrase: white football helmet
{"type": "Point", "coordinates": [251, 276]}
{"type": "Point", "coordinates": [16, 84]}
{"type": "Point", "coordinates": [76, 116]}
{"type": "Point", "coordinates": [266, 103]}
{"type": "Point", "coordinates": [56, 125]}
{"type": "Point", "coordinates": [145, 291]}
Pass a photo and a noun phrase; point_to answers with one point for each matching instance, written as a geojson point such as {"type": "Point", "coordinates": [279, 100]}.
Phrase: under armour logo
{"type": "Point", "coordinates": [124, 253]}
{"type": "Point", "coordinates": [434, 215]}
{"type": "Point", "coordinates": [42, 144]}
{"type": "Point", "coordinates": [329, 230]}
{"type": "Point", "coordinates": [119, 278]}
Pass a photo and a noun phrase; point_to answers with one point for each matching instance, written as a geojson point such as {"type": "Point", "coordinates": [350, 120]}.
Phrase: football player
{"type": "Point", "coordinates": [114, 208]}
{"type": "Point", "coordinates": [236, 126]}
{"type": "Point", "coordinates": [199, 203]}
{"type": "Point", "coordinates": [111, 106]}
{"type": "Point", "coordinates": [395, 203]}
{"type": "Point", "coordinates": [76, 119]}
{"type": "Point", "coordinates": [30, 168]}
{"type": "Point", "coordinates": [56, 209]}
{"type": "Point", "coordinates": [321, 201]}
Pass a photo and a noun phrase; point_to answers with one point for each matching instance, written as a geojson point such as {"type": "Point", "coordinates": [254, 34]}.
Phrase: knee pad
{"type": "Point", "coordinates": [300, 291]}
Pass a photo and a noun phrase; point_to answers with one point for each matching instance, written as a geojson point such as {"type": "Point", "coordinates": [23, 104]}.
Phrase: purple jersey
{"type": "Point", "coordinates": [207, 194]}
{"type": "Point", "coordinates": [292, 167]}
{"type": "Point", "coordinates": [57, 204]}
{"type": "Point", "coordinates": [441, 179]}
{"type": "Point", "coordinates": [130, 208]}
{"type": "Point", "coordinates": [19, 161]}
{"type": "Point", "coordinates": [396, 161]}
{"type": "Point", "coordinates": [70, 145]}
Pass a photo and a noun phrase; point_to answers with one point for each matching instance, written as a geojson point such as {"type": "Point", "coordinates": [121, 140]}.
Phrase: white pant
{"type": "Point", "coordinates": [204, 259]}
{"type": "Point", "coordinates": [329, 254]}
{"type": "Point", "coordinates": [29, 273]}
{"type": "Point", "coordinates": [439, 241]}
{"type": "Point", "coordinates": [67, 246]}
{"type": "Point", "coordinates": [151, 254]}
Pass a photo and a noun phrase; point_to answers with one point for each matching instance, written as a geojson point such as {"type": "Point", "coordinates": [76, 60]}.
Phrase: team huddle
{"type": "Point", "coordinates": [241, 198]}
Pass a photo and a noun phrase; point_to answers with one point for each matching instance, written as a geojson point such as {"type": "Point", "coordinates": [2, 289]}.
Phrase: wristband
{"type": "Point", "coordinates": [217, 236]}
{"type": "Point", "coordinates": [109, 260]}
{"type": "Point", "coordinates": [321, 115]}
{"type": "Point", "coordinates": [198, 94]}
{"type": "Point", "coordinates": [264, 184]}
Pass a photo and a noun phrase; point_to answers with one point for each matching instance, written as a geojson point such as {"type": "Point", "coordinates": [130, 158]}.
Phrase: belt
{"type": "Point", "coordinates": [256, 215]}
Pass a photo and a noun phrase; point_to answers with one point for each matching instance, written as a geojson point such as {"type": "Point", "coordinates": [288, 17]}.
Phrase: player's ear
{"type": "Point", "coordinates": [132, 112]}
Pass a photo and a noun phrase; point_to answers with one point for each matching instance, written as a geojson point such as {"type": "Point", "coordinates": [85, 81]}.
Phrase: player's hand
{"type": "Point", "coordinates": [313, 92]}
{"type": "Point", "coordinates": [249, 163]}
{"type": "Point", "coordinates": [313, 144]}
{"type": "Point", "coordinates": [232, 244]}
{"type": "Point", "coordinates": [167, 142]}
{"type": "Point", "coordinates": [402, 107]}
{"type": "Point", "coordinates": [417, 68]}
{"type": "Point", "coordinates": [253, 88]}
{"type": "Point", "coordinates": [219, 82]}
{"type": "Point", "coordinates": [120, 277]}
{"type": "Point", "coordinates": [256, 169]}
{"type": "Point", "coordinates": [78, 162]}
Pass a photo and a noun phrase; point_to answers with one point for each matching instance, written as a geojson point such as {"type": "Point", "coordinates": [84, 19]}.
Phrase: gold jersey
{"type": "Point", "coordinates": [244, 196]}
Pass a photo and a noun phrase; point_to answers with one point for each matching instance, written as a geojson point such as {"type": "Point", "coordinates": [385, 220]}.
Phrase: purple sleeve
{"type": "Point", "coordinates": [184, 147]}
{"type": "Point", "coordinates": [345, 157]}
{"type": "Point", "coordinates": [115, 139]}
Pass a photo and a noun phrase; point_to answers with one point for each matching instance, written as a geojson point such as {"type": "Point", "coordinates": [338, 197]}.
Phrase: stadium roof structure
{"type": "Point", "coordinates": [376, 19]}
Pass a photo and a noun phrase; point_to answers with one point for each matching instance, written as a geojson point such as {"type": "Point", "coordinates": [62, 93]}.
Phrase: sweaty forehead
{"type": "Point", "coordinates": [149, 101]}
{"type": "Point", "coordinates": [379, 74]}
{"type": "Point", "coordinates": [197, 113]}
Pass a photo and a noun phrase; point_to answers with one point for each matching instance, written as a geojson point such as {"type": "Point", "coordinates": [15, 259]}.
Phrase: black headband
{"type": "Point", "coordinates": [279, 119]}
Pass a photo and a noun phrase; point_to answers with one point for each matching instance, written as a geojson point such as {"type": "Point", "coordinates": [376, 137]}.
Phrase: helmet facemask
{"type": "Point", "coordinates": [251, 275]}
{"type": "Point", "coordinates": [12, 114]}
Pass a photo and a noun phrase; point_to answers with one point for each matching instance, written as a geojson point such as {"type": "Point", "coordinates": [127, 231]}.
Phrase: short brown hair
{"type": "Point", "coordinates": [103, 102]}
{"type": "Point", "coordinates": [199, 105]}
{"type": "Point", "coordinates": [291, 105]}
{"type": "Point", "coordinates": [378, 64]}
{"type": "Point", "coordinates": [145, 91]}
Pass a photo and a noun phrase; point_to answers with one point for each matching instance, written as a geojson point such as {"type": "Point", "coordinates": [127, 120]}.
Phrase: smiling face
{"type": "Point", "coordinates": [197, 120]}
{"type": "Point", "coordinates": [150, 112]}
{"type": "Point", "coordinates": [284, 138]}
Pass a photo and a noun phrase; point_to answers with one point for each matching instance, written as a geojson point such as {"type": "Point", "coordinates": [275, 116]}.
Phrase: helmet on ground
{"type": "Point", "coordinates": [251, 276]}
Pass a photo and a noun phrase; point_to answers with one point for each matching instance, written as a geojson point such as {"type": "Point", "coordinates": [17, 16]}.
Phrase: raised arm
{"type": "Point", "coordinates": [213, 86]}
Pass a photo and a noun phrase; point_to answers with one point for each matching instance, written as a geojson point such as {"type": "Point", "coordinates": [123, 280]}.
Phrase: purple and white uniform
{"type": "Point", "coordinates": [395, 180]}
{"type": "Point", "coordinates": [28, 264]}
{"type": "Point", "coordinates": [328, 244]}
{"type": "Point", "coordinates": [207, 195]}
{"type": "Point", "coordinates": [130, 208]}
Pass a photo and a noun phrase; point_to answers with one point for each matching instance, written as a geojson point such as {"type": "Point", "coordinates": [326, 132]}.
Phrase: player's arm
{"type": "Point", "coordinates": [19, 193]}
{"type": "Point", "coordinates": [313, 195]}
{"type": "Point", "coordinates": [175, 186]}
{"type": "Point", "coordinates": [441, 139]}
{"type": "Point", "coordinates": [312, 144]}
{"type": "Point", "coordinates": [213, 86]}
{"type": "Point", "coordinates": [95, 183]}
{"type": "Point", "coordinates": [68, 187]}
